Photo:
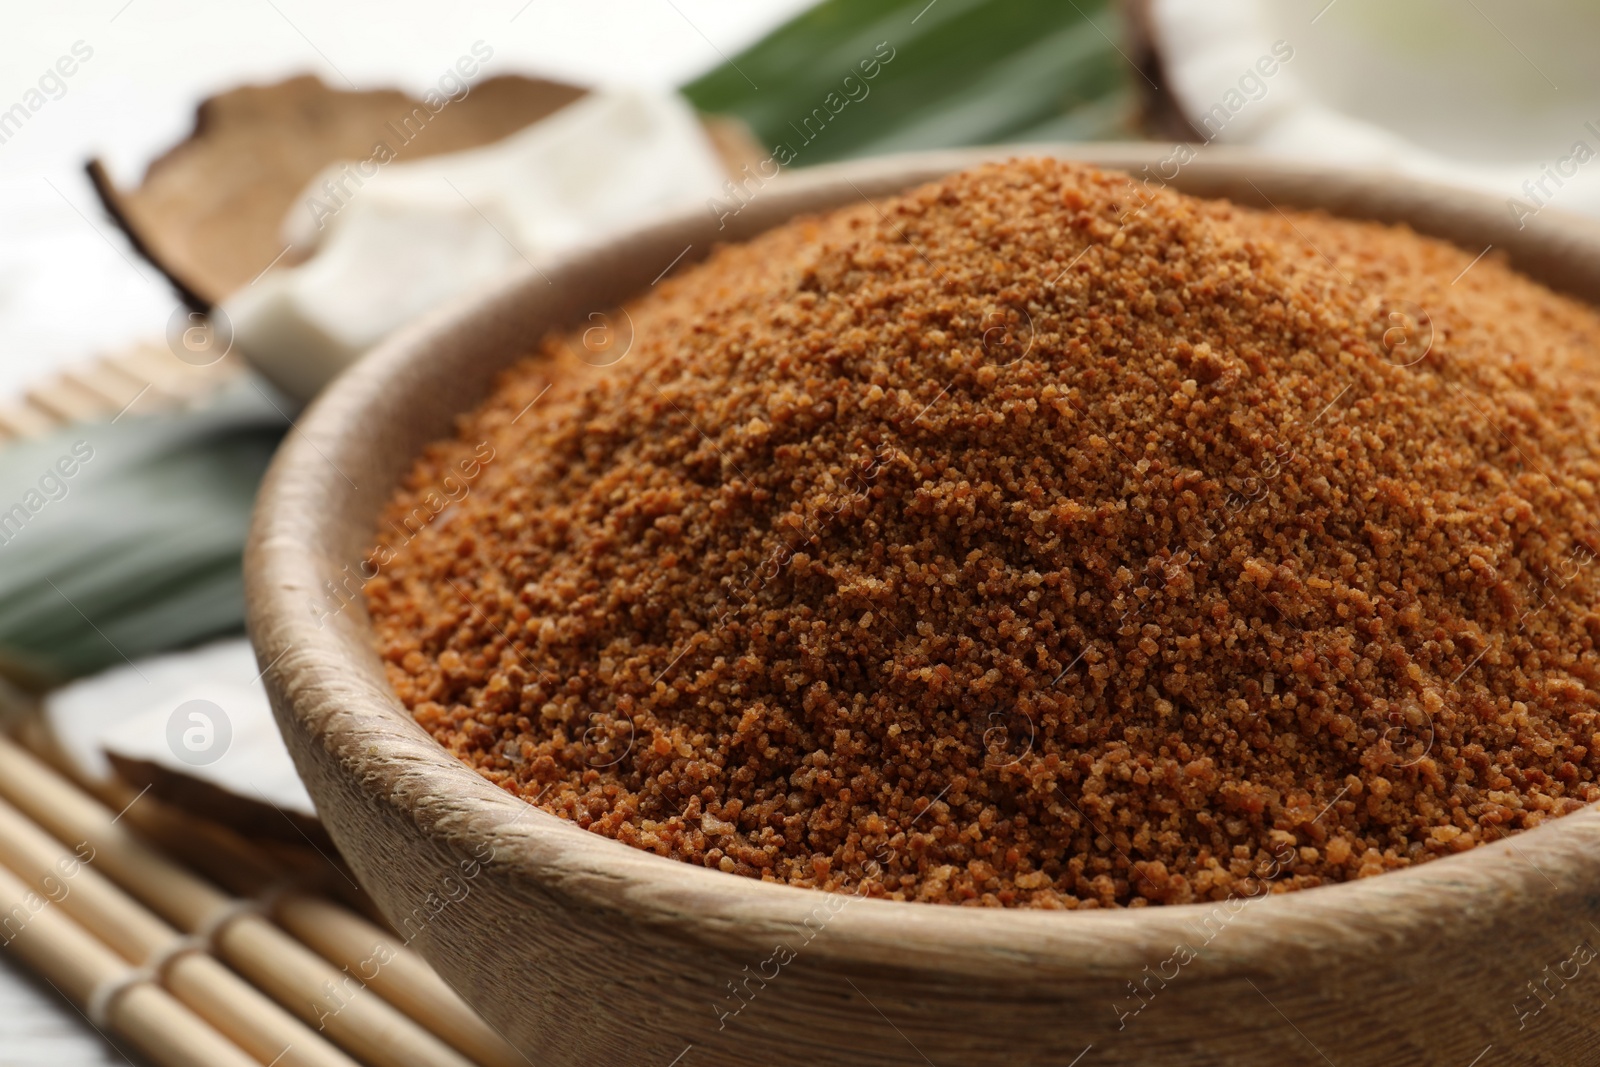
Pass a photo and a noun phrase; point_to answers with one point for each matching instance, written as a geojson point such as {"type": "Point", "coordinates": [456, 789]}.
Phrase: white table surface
{"type": "Point", "coordinates": [39, 1029]}
{"type": "Point", "coordinates": [152, 61]}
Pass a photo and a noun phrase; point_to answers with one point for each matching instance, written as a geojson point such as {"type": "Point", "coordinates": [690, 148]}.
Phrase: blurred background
{"type": "Point", "coordinates": [207, 210]}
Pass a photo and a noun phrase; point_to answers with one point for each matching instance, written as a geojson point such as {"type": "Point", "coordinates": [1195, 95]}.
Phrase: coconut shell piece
{"type": "Point", "coordinates": [208, 212]}
{"type": "Point", "coordinates": [233, 808]}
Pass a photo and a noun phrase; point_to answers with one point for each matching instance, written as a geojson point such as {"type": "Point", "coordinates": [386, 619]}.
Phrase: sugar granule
{"type": "Point", "coordinates": [1030, 540]}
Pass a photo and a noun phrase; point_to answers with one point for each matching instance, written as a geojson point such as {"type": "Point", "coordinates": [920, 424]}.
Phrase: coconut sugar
{"type": "Point", "coordinates": [1030, 539]}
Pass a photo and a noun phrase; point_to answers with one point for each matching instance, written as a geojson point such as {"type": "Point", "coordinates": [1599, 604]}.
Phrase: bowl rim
{"type": "Point", "coordinates": [328, 689]}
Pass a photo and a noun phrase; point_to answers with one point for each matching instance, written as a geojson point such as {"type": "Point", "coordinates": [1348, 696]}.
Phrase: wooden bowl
{"type": "Point", "coordinates": [585, 951]}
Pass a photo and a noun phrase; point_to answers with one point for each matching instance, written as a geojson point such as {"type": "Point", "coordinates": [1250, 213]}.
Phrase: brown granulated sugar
{"type": "Point", "coordinates": [1034, 540]}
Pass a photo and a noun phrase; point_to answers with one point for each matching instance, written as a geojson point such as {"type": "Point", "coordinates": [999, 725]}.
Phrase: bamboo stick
{"type": "Point", "coordinates": [406, 981]}
{"type": "Point", "coordinates": [78, 966]}
{"type": "Point", "coordinates": [229, 1003]}
{"type": "Point", "coordinates": [67, 401]}
{"type": "Point", "coordinates": [326, 998]}
{"type": "Point", "coordinates": [342, 936]}
{"type": "Point", "coordinates": [339, 932]}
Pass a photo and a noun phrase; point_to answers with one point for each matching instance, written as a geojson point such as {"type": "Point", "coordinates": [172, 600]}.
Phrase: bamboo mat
{"type": "Point", "coordinates": [256, 961]}
{"type": "Point", "coordinates": [170, 935]}
{"type": "Point", "coordinates": [142, 380]}
{"type": "Point", "coordinates": [173, 936]}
